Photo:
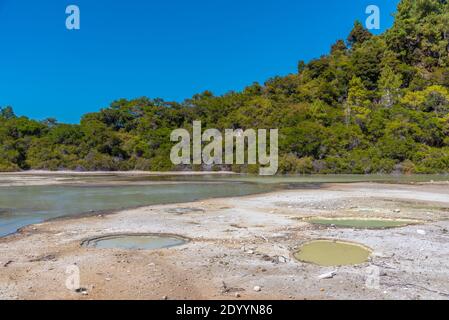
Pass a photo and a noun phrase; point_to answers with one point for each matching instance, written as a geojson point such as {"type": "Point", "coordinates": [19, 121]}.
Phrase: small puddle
{"type": "Point", "coordinates": [333, 253]}
{"type": "Point", "coordinates": [135, 242]}
{"type": "Point", "coordinates": [359, 223]}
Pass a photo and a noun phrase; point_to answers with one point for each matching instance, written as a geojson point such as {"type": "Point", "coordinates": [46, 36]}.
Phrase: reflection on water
{"type": "Point", "coordinates": [338, 178]}
{"type": "Point", "coordinates": [23, 206]}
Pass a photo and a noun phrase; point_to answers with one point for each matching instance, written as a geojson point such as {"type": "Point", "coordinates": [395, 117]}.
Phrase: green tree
{"type": "Point", "coordinates": [7, 112]}
{"type": "Point", "coordinates": [389, 87]}
{"type": "Point", "coordinates": [356, 105]}
{"type": "Point", "coordinates": [358, 35]}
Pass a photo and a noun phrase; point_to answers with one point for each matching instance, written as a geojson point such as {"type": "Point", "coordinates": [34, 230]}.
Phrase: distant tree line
{"type": "Point", "coordinates": [374, 104]}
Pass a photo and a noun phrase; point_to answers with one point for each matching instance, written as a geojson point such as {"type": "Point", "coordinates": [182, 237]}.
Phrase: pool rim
{"type": "Point", "coordinates": [85, 242]}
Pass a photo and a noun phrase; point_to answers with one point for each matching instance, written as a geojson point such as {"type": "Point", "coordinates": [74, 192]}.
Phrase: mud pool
{"type": "Point", "coordinates": [135, 242]}
{"type": "Point", "coordinates": [333, 253]}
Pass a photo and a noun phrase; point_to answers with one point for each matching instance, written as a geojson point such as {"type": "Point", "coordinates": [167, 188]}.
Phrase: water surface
{"type": "Point", "coordinates": [135, 242]}
{"type": "Point", "coordinates": [329, 253]}
{"type": "Point", "coordinates": [22, 206]}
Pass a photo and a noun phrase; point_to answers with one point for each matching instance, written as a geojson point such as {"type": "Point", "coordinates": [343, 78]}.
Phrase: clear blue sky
{"type": "Point", "coordinates": [168, 48]}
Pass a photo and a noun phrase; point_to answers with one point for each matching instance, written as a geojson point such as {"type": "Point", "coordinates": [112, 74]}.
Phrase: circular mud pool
{"type": "Point", "coordinates": [333, 253]}
{"type": "Point", "coordinates": [361, 223]}
{"type": "Point", "coordinates": [135, 242]}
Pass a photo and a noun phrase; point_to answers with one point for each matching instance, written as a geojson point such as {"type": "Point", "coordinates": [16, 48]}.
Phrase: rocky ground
{"type": "Point", "coordinates": [241, 248]}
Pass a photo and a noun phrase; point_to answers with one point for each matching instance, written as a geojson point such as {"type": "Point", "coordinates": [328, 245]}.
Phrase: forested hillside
{"type": "Point", "coordinates": [373, 104]}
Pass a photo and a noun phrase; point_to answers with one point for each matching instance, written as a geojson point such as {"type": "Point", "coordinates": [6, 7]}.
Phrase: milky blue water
{"type": "Point", "coordinates": [21, 206]}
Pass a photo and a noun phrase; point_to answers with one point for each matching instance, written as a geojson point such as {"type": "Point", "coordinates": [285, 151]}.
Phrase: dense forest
{"type": "Point", "coordinates": [374, 104]}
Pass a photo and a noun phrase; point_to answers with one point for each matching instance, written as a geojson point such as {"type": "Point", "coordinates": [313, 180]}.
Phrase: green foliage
{"type": "Point", "coordinates": [291, 164]}
{"type": "Point", "coordinates": [432, 99]}
{"type": "Point", "coordinates": [7, 112]}
{"type": "Point", "coordinates": [358, 34]}
{"type": "Point", "coordinates": [378, 104]}
{"type": "Point", "coordinates": [389, 85]}
{"type": "Point", "coordinates": [421, 32]}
